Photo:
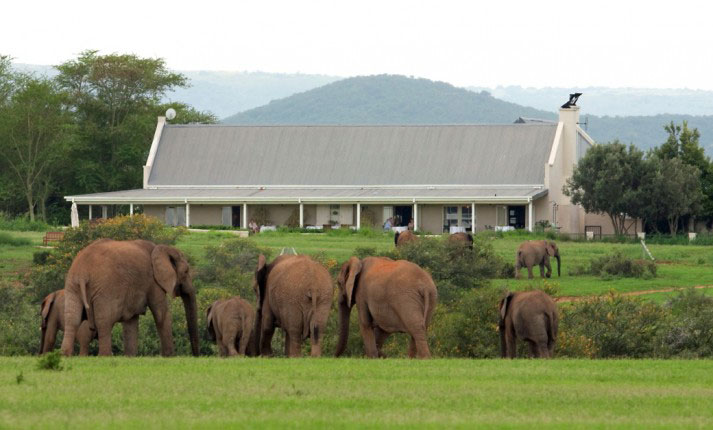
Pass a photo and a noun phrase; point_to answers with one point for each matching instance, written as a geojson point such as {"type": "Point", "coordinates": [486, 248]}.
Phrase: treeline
{"type": "Point", "coordinates": [670, 187]}
{"type": "Point", "coordinates": [84, 130]}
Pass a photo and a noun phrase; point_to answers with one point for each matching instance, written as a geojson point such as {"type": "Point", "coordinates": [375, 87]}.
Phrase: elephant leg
{"type": "Point", "coordinates": [510, 346]}
{"type": "Point", "coordinates": [544, 351]}
{"type": "Point", "coordinates": [131, 336]}
{"type": "Point", "coordinates": [49, 336]}
{"type": "Point", "coordinates": [85, 335]}
{"type": "Point", "coordinates": [529, 271]}
{"type": "Point", "coordinates": [412, 348]}
{"type": "Point", "coordinates": [542, 270]}
{"type": "Point", "coordinates": [419, 340]}
{"type": "Point", "coordinates": [222, 349]}
{"type": "Point", "coordinates": [366, 328]}
{"type": "Point", "coordinates": [243, 343]}
{"type": "Point", "coordinates": [162, 318]}
{"type": "Point", "coordinates": [104, 333]}
{"type": "Point", "coordinates": [292, 343]}
{"type": "Point", "coordinates": [381, 337]}
{"type": "Point", "coordinates": [73, 309]}
{"type": "Point", "coordinates": [315, 347]}
{"type": "Point", "coordinates": [229, 340]}
{"type": "Point", "coordinates": [534, 348]}
{"type": "Point", "coordinates": [548, 266]}
{"type": "Point", "coordinates": [268, 330]}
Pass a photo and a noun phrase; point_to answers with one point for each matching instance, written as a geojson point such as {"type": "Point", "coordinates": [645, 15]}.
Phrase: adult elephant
{"type": "Point", "coordinates": [114, 281]}
{"type": "Point", "coordinates": [464, 238]}
{"type": "Point", "coordinates": [293, 292]}
{"type": "Point", "coordinates": [52, 312]}
{"type": "Point", "coordinates": [537, 252]}
{"type": "Point", "coordinates": [404, 237]}
{"type": "Point", "coordinates": [391, 297]}
{"type": "Point", "coordinates": [230, 323]}
{"type": "Point", "coordinates": [532, 317]}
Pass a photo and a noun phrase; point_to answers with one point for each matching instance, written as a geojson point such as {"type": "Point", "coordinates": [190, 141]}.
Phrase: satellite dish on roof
{"type": "Point", "coordinates": [170, 113]}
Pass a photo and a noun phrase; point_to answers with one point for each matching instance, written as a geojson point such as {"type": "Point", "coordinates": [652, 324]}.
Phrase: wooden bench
{"type": "Point", "coordinates": [52, 236]}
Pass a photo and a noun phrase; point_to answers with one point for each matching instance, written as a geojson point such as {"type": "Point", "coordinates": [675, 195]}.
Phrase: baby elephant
{"type": "Point", "coordinates": [532, 317]}
{"type": "Point", "coordinates": [231, 323]}
{"type": "Point", "coordinates": [52, 311]}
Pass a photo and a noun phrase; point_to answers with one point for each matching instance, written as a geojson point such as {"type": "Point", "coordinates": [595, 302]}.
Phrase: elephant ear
{"type": "Point", "coordinates": [354, 269]}
{"type": "Point", "coordinates": [164, 260]}
{"type": "Point", "coordinates": [504, 304]}
{"type": "Point", "coordinates": [46, 307]}
{"type": "Point", "coordinates": [209, 322]}
{"type": "Point", "coordinates": [551, 248]}
{"type": "Point", "coordinates": [260, 280]}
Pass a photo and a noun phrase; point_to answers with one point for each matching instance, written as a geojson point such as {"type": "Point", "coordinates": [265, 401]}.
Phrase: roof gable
{"type": "Point", "coordinates": [218, 155]}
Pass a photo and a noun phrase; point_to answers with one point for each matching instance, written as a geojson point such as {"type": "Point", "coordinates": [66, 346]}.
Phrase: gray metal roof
{"type": "Point", "coordinates": [210, 155]}
{"type": "Point", "coordinates": [313, 195]}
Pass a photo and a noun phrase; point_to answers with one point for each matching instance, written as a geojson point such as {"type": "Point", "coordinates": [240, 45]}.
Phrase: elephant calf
{"type": "Point", "coordinates": [532, 317]}
{"type": "Point", "coordinates": [537, 253]}
{"type": "Point", "coordinates": [230, 323]}
{"type": "Point", "coordinates": [405, 237]}
{"type": "Point", "coordinates": [52, 311]}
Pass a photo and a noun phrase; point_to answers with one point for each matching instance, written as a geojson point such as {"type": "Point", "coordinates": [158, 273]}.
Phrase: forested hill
{"type": "Point", "coordinates": [389, 99]}
{"type": "Point", "coordinates": [386, 99]}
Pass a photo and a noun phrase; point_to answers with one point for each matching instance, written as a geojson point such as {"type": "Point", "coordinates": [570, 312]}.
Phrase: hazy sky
{"type": "Point", "coordinates": [566, 43]}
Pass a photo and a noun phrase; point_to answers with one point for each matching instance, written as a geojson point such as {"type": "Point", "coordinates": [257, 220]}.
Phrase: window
{"type": "Point", "coordinates": [466, 216]}
{"type": "Point", "coordinates": [458, 216]}
{"type": "Point", "coordinates": [226, 215]}
{"type": "Point", "coordinates": [176, 215]}
{"type": "Point", "coordinates": [450, 217]}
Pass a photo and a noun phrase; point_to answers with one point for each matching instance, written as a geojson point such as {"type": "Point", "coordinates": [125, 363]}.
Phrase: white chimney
{"type": "Point", "coordinates": [569, 117]}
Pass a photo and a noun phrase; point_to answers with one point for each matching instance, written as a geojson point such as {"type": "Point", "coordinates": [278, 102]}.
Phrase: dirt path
{"type": "Point", "coordinates": [566, 299]}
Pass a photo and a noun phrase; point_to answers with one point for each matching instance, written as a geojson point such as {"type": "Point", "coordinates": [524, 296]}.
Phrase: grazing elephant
{"type": "Point", "coordinates": [537, 252]}
{"type": "Point", "coordinates": [52, 311]}
{"type": "Point", "coordinates": [465, 238]}
{"type": "Point", "coordinates": [404, 237]}
{"type": "Point", "coordinates": [230, 324]}
{"type": "Point", "coordinates": [293, 292]}
{"type": "Point", "coordinates": [391, 296]}
{"type": "Point", "coordinates": [114, 281]}
{"type": "Point", "coordinates": [532, 317]}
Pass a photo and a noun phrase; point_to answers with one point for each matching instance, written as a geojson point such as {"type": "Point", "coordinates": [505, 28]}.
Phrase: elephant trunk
{"type": "Point", "coordinates": [189, 304]}
{"type": "Point", "coordinates": [558, 264]}
{"type": "Point", "coordinates": [344, 313]}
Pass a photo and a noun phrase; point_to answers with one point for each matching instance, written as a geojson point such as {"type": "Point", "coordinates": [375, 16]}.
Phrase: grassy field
{"type": "Point", "coordinates": [678, 265]}
{"type": "Point", "coordinates": [356, 393]}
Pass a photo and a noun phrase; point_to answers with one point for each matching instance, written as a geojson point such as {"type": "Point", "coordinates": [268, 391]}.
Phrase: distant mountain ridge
{"type": "Point", "coordinates": [394, 99]}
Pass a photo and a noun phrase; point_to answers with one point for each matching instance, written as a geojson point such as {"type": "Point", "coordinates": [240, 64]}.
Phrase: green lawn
{"type": "Point", "coordinates": [356, 393]}
{"type": "Point", "coordinates": [14, 260]}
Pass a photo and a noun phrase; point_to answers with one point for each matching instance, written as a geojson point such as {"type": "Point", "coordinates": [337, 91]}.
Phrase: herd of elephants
{"type": "Point", "coordinates": [114, 281]}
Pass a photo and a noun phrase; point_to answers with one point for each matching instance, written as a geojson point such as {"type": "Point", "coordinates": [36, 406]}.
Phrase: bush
{"type": "Point", "coordinates": [8, 239]}
{"type": "Point", "coordinates": [50, 361]}
{"type": "Point", "coordinates": [618, 326]}
{"type": "Point", "coordinates": [48, 277]}
{"type": "Point", "coordinates": [8, 222]}
{"type": "Point", "coordinates": [468, 327]}
{"type": "Point", "coordinates": [40, 257]}
{"type": "Point", "coordinates": [19, 322]}
{"type": "Point", "coordinates": [690, 333]}
{"type": "Point", "coordinates": [617, 265]}
{"type": "Point", "coordinates": [231, 265]}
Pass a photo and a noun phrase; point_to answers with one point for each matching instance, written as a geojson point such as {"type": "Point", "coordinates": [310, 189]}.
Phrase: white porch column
{"type": "Point", "coordinates": [105, 211]}
{"type": "Point", "coordinates": [472, 217]}
{"type": "Point", "coordinates": [90, 212]}
{"type": "Point", "coordinates": [415, 215]}
{"type": "Point", "coordinates": [245, 216]}
{"type": "Point", "coordinates": [188, 214]}
{"type": "Point", "coordinates": [529, 221]}
{"type": "Point", "coordinates": [358, 216]}
{"type": "Point", "coordinates": [131, 209]}
{"type": "Point", "coordinates": [302, 214]}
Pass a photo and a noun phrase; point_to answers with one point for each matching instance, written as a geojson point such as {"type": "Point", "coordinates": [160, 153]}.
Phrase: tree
{"type": "Point", "coordinates": [675, 190]}
{"type": "Point", "coordinates": [683, 143]}
{"type": "Point", "coordinates": [607, 180]}
{"type": "Point", "coordinates": [33, 129]}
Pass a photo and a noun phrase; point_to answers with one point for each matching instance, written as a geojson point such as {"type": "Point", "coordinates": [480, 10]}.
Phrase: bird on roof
{"type": "Point", "coordinates": [572, 100]}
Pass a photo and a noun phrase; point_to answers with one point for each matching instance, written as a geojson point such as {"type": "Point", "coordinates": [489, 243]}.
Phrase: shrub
{"type": "Point", "coordinates": [22, 223]}
{"type": "Point", "coordinates": [40, 257]}
{"type": "Point", "coordinates": [48, 277]}
{"type": "Point", "coordinates": [690, 333]}
{"type": "Point", "coordinates": [617, 265]}
{"type": "Point", "coordinates": [468, 327]}
{"type": "Point", "coordinates": [365, 251]}
{"type": "Point", "coordinates": [50, 361]}
{"type": "Point", "coordinates": [231, 265]}
{"type": "Point", "coordinates": [8, 239]}
{"type": "Point", "coordinates": [19, 322]}
{"type": "Point", "coordinates": [618, 326]}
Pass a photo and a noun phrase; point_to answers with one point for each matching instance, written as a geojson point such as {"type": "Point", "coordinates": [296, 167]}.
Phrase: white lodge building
{"type": "Point", "coordinates": [472, 176]}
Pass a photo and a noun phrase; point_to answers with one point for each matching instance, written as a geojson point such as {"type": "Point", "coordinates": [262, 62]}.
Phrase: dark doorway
{"type": "Point", "coordinates": [516, 216]}
{"type": "Point", "coordinates": [236, 219]}
{"type": "Point", "coordinates": [402, 215]}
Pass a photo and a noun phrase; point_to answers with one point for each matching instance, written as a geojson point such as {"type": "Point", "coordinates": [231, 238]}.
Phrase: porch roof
{"type": "Point", "coordinates": [512, 194]}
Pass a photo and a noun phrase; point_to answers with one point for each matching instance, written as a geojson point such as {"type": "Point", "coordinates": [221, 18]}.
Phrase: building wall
{"type": "Point", "coordinates": [207, 214]}
{"type": "Point", "coordinates": [158, 211]}
{"type": "Point", "coordinates": [430, 218]}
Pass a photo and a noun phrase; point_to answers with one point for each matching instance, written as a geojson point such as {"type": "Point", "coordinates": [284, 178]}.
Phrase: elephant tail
{"type": "Point", "coordinates": [309, 325]}
{"type": "Point", "coordinates": [551, 327]}
{"type": "Point", "coordinates": [85, 303]}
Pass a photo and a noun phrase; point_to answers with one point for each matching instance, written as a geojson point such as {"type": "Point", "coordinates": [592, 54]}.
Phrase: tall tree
{"type": "Point", "coordinates": [684, 143]}
{"type": "Point", "coordinates": [115, 98]}
{"type": "Point", "coordinates": [33, 129]}
{"type": "Point", "coordinates": [607, 180]}
{"type": "Point", "coordinates": [675, 190]}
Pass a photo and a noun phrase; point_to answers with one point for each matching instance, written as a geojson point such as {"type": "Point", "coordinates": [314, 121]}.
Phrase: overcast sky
{"type": "Point", "coordinates": [566, 43]}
